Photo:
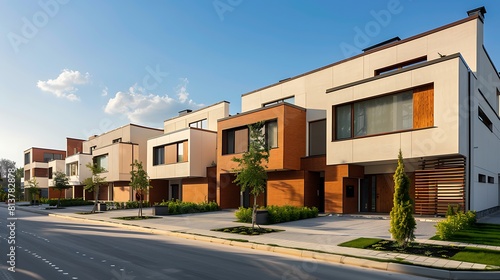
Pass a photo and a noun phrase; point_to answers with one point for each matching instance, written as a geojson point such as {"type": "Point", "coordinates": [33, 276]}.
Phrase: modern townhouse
{"type": "Point", "coordinates": [335, 132]}
{"type": "Point", "coordinates": [75, 167]}
{"type": "Point", "coordinates": [181, 162]}
{"type": "Point", "coordinates": [40, 163]}
{"type": "Point", "coordinates": [115, 151]}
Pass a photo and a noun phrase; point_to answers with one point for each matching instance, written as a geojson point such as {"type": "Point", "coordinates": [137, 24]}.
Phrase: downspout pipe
{"type": "Point", "coordinates": [469, 163]}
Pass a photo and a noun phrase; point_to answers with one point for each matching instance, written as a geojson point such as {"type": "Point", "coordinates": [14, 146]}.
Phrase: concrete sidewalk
{"type": "Point", "coordinates": [322, 234]}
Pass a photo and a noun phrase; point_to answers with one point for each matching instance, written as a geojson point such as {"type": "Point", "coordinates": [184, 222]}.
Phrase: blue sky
{"type": "Point", "coordinates": [73, 68]}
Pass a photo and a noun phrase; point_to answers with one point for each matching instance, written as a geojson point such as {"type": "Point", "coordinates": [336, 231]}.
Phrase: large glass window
{"type": "Point", "coordinates": [235, 141]}
{"type": "Point", "coordinates": [102, 161]}
{"type": "Point", "coordinates": [271, 134]}
{"type": "Point", "coordinates": [343, 121]}
{"type": "Point", "coordinates": [203, 124]}
{"type": "Point", "coordinates": [50, 157]}
{"type": "Point", "coordinates": [27, 158]}
{"type": "Point", "coordinates": [159, 155]}
{"type": "Point", "coordinates": [180, 152]}
{"type": "Point", "coordinates": [72, 169]}
{"type": "Point", "coordinates": [374, 116]}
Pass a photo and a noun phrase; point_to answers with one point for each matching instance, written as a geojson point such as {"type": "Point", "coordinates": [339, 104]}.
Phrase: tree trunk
{"type": "Point", "coordinates": [96, 197]}
{"type": "Point", "coordinates": [254, 211]}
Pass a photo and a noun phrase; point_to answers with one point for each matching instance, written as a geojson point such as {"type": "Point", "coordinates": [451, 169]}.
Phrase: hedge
{"type": "Point", "coordinates": [279, 214]}
{"type": "Point", "coordinates": [454, 223]}
{"type": "Point", "coordinates": [176, 207]}
{"type": "Point", "coordinates": [66, 202]}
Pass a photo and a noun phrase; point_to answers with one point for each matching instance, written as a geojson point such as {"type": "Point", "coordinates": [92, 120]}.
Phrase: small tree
{"type": "Point", "coordinates": [93, 183]}
{"type": "Point", "coordinates": [33, 189]}
{"type": "Point", "coordinates": [402, 221]}
{"type": "Point", "coordinates": [61, 183]}
{"type": "Point", "coordinates": [139, 182]}
{"type": "Point", "coordinates": [251, 171]}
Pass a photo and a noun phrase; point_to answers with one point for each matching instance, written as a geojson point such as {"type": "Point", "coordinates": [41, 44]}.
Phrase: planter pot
{"type": "Point", "coordinates": [101, 207]}
{"type": "Point", "coordinates": [262, 217]}
{"type": "Point", "coordinates": [159, 210]}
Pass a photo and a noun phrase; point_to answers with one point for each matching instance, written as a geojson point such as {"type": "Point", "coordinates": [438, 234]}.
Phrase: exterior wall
{"type": "Point", "coordinates": [83, 172]}
{"type": "Point", "coordinates": [140, 135]}
{"type": "Point", "coordinates": [120, 158]}
{"type": "Point", "coordinates": [440, 139]}
{"type": "Point", "coordinates": [211, 113]}
{"type": "Point", "coordinates": [39, 169]}
{"type": "Point", "coordinates": [485, 195]}
{"type": "Point", "coordinates": [73, 146]}
{"type": "Point", "coordinates": [56, 165]}
{"type": "Point", "coordinates": [201, 153]}
{"type": "Point", "coordinates": [291, 136]}
{"type": "Point", "coordinates": [158, 191]}
{"type": "Point", "coordinates": [122, 192]}
{"type": "Point", "coordinates": [195, 190]}
{"type": "Point", "coordinates": [285, 188]}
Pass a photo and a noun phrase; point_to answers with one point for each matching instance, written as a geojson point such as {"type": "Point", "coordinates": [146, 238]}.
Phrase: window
{"type": "Point", "coordinates": [159, 155]}
{"type": "Point", "coordinates": [27, 158]}
{"type": "Point", "coordinates": [101, 161]}
{"type": "Point", "coordinates": [401, 65]}
{"type": "Point", "coordinates": [481, 178]}
{"type": "Point", "coordinates": [484, 119]}
{"type": "Point", "coordinates": [92, 149]}
{"type": "Point", "coordinates": [117, 140]}
{"type": "Point", "coordinates": [176, 152]}
{"type": "Point", "coordinates": [343, 121]}
{"type": "Point", "coordinates": [491, 180]}
{"type": "Point", "coordinates": [180, 152]}
{"type": "Point", "coordinates": [72, 169]}
{"type": "Point", "coordinates": [290, 100]}
{"type": "Point", "coordinates": [374, 116]}
{"type": "Point", "coordinates": [50, 172]}
{"type": "Point", "coordinates": [51, 156]}
{"type": "Point", "coordinates": [203, 124]}
{"type": "Point", "coordinates": [235, 141]}
{"type": "Point", "coordinates": [271, 134]}
{"type": "Point", "coordinates": [317, 138]}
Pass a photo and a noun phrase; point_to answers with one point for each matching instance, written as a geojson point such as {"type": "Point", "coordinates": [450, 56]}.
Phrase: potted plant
{"type": "Point", "coordinates": [160, 209]}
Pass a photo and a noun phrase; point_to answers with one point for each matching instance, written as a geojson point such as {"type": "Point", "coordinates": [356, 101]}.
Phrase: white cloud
{"type": "Point", "coordinates": [147, 108]}
{"type": "Point", "coordinates": [64, 85]}
{"type": "Point", "coordinates": [104, 91]}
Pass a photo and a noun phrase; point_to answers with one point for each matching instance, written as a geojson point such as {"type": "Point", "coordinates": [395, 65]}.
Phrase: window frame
{"type": "Point", "coordinates": [95, 161]}
{"type": "Point", "coordinates": [352, 116]}
{"type": "Point", "coordinates": [156, 152]}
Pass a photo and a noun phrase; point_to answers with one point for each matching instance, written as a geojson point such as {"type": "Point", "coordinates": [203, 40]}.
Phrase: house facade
{"type": "Point", "coordinates": [39, 164]}
{"type": "Point", "coordinates": [115, 151]}
{"type": "Point", "coordinates": [181, 162]}
{"type": "Point", "coordinates": [337, 130]}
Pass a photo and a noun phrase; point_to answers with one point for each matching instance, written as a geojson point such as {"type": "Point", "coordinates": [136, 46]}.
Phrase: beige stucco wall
{"type": "Point", "coordinates": [201, 153]}
{"type": "Point", "coordinates": [211, 113]}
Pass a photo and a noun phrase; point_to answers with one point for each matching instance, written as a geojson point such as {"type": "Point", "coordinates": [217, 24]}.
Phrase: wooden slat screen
{"type": "Point", "coordinates": [439, 183]}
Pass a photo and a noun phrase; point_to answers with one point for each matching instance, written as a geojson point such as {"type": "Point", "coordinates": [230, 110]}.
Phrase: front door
{"type": "Point", "coordinates": [368, 194]}
{"type": "Point", "coordinates": [175, 192]}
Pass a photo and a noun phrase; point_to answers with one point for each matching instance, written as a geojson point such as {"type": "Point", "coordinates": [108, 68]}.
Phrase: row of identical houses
{"type": "Point", "coordinates": [334, 135]}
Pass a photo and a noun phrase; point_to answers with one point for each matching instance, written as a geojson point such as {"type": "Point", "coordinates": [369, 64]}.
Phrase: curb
{"type": "Point", "coordinates": [331, 258]}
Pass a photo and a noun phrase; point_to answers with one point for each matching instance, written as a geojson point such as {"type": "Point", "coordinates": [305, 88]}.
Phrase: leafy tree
{"type": "Point", "coordinates": [5, 165]}
{"type": "Point", "coordinates": [139, 182]}
{"type": "Point", "coordinates": [92, 184]}
{"type": "Point", "coordinates": [251, 171]}
{"type": "Point", "coordinates": [33, 189]}
{"type": "Point", "coordinates": [61, 183]}
{"type": "Point", "coordinates": [402, 221]}
{"type": "Point", "coordinates": [19, 175]}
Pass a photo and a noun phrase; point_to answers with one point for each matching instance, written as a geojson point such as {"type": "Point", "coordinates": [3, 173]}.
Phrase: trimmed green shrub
{"type": "Point", "coordinates": [453, 223]}
{"type": "Point", "coordinates": [279, 214]}
{"type": "Point", "coordinates": [176, 207]}
{"type": "Point", "coordinates": [66, 202]}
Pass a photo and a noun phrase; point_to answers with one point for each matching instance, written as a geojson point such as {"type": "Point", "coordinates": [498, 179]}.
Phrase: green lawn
{"type": "Point", "coordinates": [361, 243]}
{"type": "Point", "coordinates": [485, 234]}
{"type": "Point", "coordinates": [477, 255]}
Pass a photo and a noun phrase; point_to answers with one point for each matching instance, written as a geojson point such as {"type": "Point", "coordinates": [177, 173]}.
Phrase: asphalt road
{"type": "Point", "coordinates": [53, 248]}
